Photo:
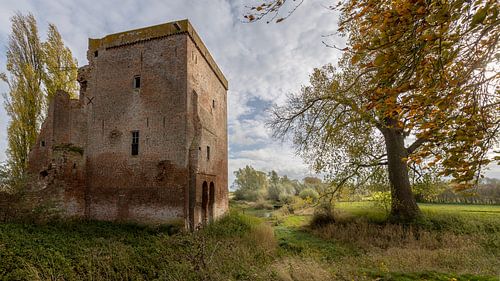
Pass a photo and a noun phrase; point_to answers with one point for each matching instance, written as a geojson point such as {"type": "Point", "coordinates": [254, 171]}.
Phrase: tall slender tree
{"type": "Point", "coordinates": [25, 99]}
{"type": "Point", "coordinates": [60, 66]}
{"type": "Point", "coordinates": [36, 71]}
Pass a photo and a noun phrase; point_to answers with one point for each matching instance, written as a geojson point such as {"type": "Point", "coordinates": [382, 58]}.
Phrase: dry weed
{"type": "Point", "coordinates": [398, 248]}
{"type": "Point", "coordinates": [296, 269]}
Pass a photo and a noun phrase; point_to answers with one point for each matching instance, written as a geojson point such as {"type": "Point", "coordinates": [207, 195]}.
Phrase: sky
{"type": "Point", "coordinates": [263, 62]}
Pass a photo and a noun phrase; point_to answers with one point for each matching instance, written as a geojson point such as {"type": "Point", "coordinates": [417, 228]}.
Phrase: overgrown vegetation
{"type": "Point", "coordinates": [453, 241]}
{"type": "Point", "coordinates": [236, 247]}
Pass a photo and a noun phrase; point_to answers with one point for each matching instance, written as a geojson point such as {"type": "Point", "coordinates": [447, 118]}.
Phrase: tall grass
{"type": "Point", "coordinates": [441, 242]}
{"type": "Point", "coordinates": [235, 247]}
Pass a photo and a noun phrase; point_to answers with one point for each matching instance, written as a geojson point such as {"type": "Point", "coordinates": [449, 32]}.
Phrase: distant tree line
{"type": "Point", "coordinates": [487, 192]}
{"type": "Point", "coordinates": [257, 186]}
{"type": "Point", "coordinates": [254, 185]}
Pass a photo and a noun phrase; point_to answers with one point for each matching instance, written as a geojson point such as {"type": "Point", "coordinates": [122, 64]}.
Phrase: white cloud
{"type": "Point", "coordinates": [248, 132]}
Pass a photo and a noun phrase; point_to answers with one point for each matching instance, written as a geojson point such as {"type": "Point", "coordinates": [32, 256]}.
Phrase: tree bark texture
{"type": "Point", "coordinates": [404, 206]}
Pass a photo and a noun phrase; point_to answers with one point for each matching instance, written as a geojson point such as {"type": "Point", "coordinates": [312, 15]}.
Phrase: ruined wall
{"type": "Point", "coordinates": [149, 186]}
{"type": "Point", "coordinates": [56, 161]}
{"type": "Point", "coordinates": [208, 103]}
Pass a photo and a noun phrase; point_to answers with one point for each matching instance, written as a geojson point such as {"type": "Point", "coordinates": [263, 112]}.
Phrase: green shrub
{"type": "Point", "coordinates": [286, 199]}
{"type": "Point", "coordinates": [323, 215]}
{"type": "Point", "coordinates": [232, 224]}
{"type": "Point", "coordinates": [382, 200]}
{"type": "Point", "coordinates": [309, 194]}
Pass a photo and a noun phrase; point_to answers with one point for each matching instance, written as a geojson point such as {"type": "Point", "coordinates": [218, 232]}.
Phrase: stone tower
{"type": "Point", "coordinates": [146, 140]}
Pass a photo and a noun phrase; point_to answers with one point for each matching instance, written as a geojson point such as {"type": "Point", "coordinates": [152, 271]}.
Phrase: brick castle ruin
{"type": "Point", "coordinates": [146, 140]}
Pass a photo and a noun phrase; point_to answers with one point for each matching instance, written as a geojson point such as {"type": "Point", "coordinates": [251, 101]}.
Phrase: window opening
{"type": "Point", "coordinates": [135, 143]}
{"type": "Point", "coordinates": [137, 82]}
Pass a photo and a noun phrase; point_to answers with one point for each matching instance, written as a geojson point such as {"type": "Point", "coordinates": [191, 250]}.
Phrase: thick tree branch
{"type": "Point", "coordinates": [414, 146]}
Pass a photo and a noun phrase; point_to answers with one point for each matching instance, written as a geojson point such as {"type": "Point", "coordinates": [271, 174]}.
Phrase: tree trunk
{"type": "Point", "coordinates": [404, 207]}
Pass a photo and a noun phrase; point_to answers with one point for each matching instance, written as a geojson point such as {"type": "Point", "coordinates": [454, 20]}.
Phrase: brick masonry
{"type": "Point", "coordinates": [83, 156]}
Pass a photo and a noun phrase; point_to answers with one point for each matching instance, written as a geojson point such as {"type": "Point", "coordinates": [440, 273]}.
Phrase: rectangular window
{"type": "Point", "coordinates": [208, 152]}
{"type": "Point", "coordinates": [137, 82]}
{"type": "Point", "coordinates": [135, 143]}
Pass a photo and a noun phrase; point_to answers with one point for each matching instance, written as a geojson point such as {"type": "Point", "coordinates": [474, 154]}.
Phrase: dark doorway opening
{"type": "Point", "coordinates": [211, 201]}
{"type": "Point", "coordinates": [204, 203]}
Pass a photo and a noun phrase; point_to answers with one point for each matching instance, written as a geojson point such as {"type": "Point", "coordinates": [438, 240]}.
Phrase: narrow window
{"type": "Point", "coordinates": [137, 82]}
{"type": "Point", "coordinates": [213, 103]}
{"type": "Point", "coordinates": [208, 152]}
{"type": "Point", "coordinates": [43, 143]}
{"type": "Point", "coordinates": [96, 54]}
{"type": "Point", "coordinates": [135, 143]}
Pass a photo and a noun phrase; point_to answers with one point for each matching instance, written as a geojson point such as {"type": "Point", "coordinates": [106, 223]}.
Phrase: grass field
{"type": "Point", "coordinates": [453, 242]}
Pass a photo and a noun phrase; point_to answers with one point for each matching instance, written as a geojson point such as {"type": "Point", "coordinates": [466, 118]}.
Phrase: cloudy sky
{"type": "Point", "coordinates": [263, 62]}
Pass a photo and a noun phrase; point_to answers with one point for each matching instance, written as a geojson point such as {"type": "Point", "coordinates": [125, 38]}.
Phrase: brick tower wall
{"type": "Point", "coordinates": [149, 187]}
{"type": "Point", "coordinates": [207, 107]}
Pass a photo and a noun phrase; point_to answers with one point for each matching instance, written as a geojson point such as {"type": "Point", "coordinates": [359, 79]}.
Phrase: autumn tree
{"type": "Point", "coordinates": [60, 66]}
{"type": "Point", "coordinates": [36, 70]}
{"type": "Point", "coordinates": [418, 83]}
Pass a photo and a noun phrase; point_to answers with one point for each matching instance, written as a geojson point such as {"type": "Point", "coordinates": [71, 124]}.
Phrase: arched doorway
{"type": "Point", "coordinates": [211, 202]}
{"type": "Point", "coordinates": [204, 202]}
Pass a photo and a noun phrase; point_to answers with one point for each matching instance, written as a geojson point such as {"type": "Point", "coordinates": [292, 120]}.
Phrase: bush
{"type": "Point", "coordinates": [323, 216]}
{"type": "Point", "coordinates": [286, 199]}
{"type": "Point", "coordinates": [310, 194]}
{"type": "Point", "coordinates": [382, 200]}
{"type": "Point", "coordinates": [263, 205]}
{"type": "Point", "coordinates": [232, 224]}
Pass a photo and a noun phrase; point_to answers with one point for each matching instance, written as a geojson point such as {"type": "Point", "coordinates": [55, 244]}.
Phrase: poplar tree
{"type": "Point", "coordinates": [60, 66]}
{"type": "Point", "coordinates": [25, 99]}
{"type": "Point", "coordinates": [36, 71]}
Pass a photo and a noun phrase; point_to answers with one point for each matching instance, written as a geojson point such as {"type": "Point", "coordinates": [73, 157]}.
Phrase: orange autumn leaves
{"type": "Point", "coordinates": [427, 62]}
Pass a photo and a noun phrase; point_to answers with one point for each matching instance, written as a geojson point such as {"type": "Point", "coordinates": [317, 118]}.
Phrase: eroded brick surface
{"type": "Point", "coordinates": [84, 151]}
